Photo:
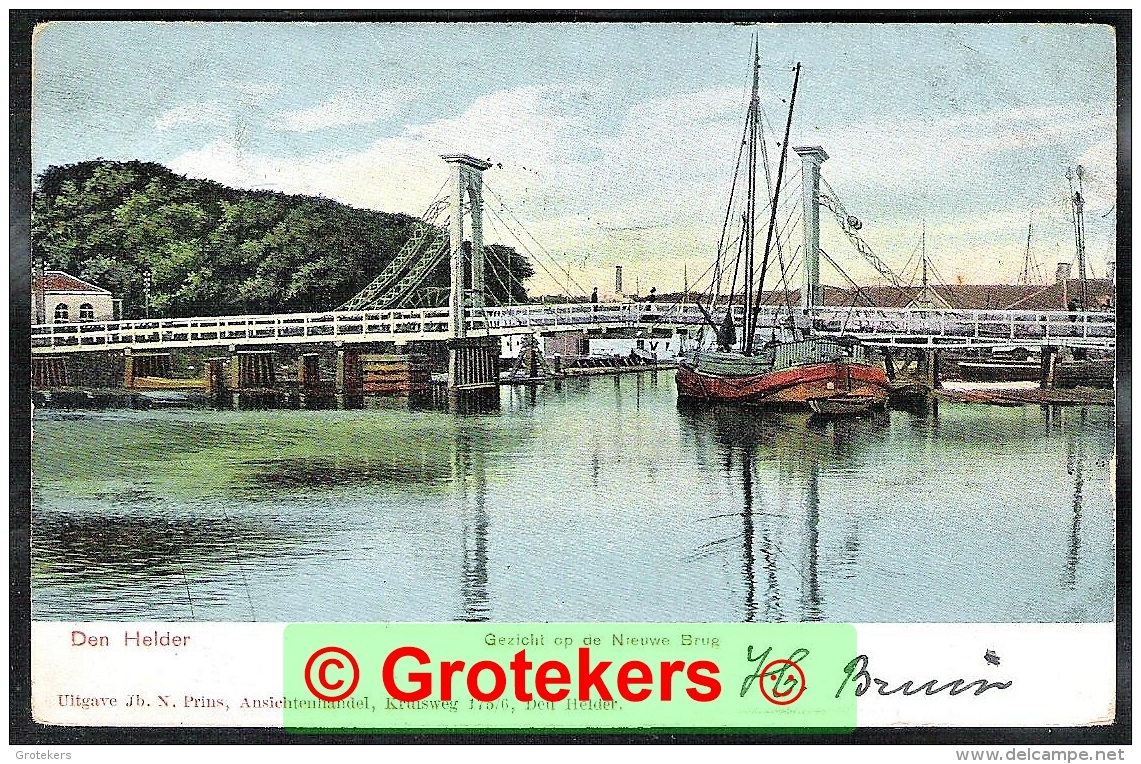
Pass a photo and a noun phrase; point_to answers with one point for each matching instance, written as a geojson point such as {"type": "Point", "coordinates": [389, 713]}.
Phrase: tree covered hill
{"type": "Point", "coordinates": [215, 250]}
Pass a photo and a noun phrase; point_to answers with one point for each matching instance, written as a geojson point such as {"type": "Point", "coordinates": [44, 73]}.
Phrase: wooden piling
{"type": "Point", "coordinates": [473, 362]}
{"type": "Point", "coordinates": [128, 369]}
{"type": "Point", "coordinates": [232, 376]}
{"type": "Point", "coordinates": [934, 381]}
{"type": "Point", "coordinates": [49, 372]}
{"type": "Point", "coordinates": [215, 374]}
{"type": "Point", "coordinates": [256, 370]}
{"type": "Point", "coordinates": [1049, 363]}
{"type": "Point", "coordinates": [888, 365]}
{"type": "Point", "coordinates": [308, 380]}
{"type": "Point", "coordinates": [348, 388]}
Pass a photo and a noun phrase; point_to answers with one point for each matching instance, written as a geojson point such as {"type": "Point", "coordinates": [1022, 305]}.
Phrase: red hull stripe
{"type": "Point", "coordinates": [812, 378]}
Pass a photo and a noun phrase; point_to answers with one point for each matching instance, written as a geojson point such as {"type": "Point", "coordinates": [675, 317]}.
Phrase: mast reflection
{"type": "Point", "coordinates": [748, 558]}
{"type": "Point", "coordinates": [1075, 458]}
{"type": "Point", "coordinates": [775, 462]}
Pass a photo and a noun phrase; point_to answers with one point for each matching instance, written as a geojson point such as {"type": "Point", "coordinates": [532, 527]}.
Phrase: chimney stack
{"type": "Point", "coordinates": [1111, 270]}
{"type": "Point", "coordinates": [617, 279]}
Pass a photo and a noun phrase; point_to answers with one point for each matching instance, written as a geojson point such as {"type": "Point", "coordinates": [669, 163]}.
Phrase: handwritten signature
{"type": "Point", "coordinates": [857, 675]}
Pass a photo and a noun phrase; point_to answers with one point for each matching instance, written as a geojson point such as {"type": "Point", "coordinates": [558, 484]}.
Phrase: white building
{"type": "Point", "coordinates": [61, 298]}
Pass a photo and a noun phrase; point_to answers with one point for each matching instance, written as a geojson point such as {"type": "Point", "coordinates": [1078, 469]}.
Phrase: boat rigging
{"type": "Point", "coordinates": [792, 369]}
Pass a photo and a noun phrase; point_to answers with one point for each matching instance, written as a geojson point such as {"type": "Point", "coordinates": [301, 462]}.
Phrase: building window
{"type": "Point", "coordinates": [61, 313]}
{"type": "Point", "coordinates": [86, 312]}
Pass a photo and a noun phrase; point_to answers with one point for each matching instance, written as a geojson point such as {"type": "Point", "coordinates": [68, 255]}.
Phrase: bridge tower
{"type": "Point", "coordinates": [811, 157]}
{"type": "Point", "coordinates": [467, 185]}
{"type": "Point", "coordinates": [472, 362]}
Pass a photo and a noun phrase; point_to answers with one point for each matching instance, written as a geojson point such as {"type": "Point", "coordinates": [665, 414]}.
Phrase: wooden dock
{"type": "Point", "coordinates": [1078, 396]}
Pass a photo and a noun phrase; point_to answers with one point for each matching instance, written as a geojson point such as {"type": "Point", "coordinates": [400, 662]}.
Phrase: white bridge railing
{"type": "Point", "coordinates": [878, 326]}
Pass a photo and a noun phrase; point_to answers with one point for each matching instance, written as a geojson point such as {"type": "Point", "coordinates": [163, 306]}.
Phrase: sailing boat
{"type": "Point", "coordinates": [798, 367]}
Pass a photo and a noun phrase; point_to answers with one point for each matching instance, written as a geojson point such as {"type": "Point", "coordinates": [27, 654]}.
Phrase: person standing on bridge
{"type": "Point", "coordinates": [594, 296]}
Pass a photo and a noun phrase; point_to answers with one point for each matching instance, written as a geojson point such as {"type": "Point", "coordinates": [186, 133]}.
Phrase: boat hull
{"type": "Point", "coordinates": [796, 385]}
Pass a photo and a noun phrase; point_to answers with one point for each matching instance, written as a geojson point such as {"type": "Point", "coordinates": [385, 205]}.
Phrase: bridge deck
{"type": "Point", "coordinates": [875, 326]}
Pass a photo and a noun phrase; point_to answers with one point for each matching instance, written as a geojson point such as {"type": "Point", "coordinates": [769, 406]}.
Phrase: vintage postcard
{"type": "Point", "coordinates": [619, 377]}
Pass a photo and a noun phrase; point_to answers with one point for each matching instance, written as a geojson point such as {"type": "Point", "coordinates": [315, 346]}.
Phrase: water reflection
{"type": "Point", "coordinates": [810, 609]}
{"type": "Point", "coordinates": [748, 562]}
{"type": "Point", "coordinates": [103, 555]}
{"type": "Point", "coordinates": [773, 540]}
{"type": "Point", "coordinates": [1075, 456]}
{"type": "Point", "coordinates": [584, 500]}
{"type": "Point", "coordinates": [470, 481]}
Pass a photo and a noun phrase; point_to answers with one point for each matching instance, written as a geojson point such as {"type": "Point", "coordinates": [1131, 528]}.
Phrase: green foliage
{"type": "Point", "coordinates": [214, 250]}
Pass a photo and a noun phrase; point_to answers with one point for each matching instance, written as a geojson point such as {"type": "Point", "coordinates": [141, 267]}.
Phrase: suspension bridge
{"type": "Point", "coordinates": [385, 312]}
{"type": "Point", "coordinates": [899, 327]}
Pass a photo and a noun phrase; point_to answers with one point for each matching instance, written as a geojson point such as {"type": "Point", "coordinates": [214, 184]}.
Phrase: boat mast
{"type": "Point", "coordinates": [748, 229]}
{"type": "Point", "coordinates": [1079, 228]}
{"type": "Point", "coordinates": [924, 298]}
{"type": "Point", "coordinates": [1024, 277]}
{"type": "Point", "coordinates": [751, 326]}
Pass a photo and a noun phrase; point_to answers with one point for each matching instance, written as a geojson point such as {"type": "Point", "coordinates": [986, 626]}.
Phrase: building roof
{"type": "Point", "coordinates": [1030, 297]}
{"type": "Point", "coordinates": [58, 281]}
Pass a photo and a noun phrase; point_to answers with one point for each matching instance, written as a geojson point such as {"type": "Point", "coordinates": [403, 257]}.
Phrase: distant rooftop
{"type": "Point", "coordinates": [58, 281]}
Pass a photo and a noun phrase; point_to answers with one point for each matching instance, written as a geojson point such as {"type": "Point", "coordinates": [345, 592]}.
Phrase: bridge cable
{"type": "Point", "coordinates": [527, 250]}
{"type": "Point", "coordinates": [492, 250]}
{"type": "Point", "coordinates": [539, 244]}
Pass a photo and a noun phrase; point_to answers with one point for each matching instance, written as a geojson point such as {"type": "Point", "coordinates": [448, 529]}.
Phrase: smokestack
{"type": "Point", "coordinates": [1062, 274]}
{"type": "Point", "coordinates": [1111, 270]}
{"type": "Point", "coordinates": [617, 279]}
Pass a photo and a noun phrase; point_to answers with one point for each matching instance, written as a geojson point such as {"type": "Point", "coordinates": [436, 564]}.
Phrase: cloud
{"type": "Point", "coordinates": [343, 108]}
{"type": "Point", "coordinates": [910, 153]}
{"type": "Point", "coordinates": [598, 181]}
{"type": "Point", "coordinates": [209, 114]}
{"type": "Point", "coordinates": [253, 89]}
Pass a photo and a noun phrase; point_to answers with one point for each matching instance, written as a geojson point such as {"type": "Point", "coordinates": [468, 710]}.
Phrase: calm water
{"type": "Point", "coordinates": [595, 499]}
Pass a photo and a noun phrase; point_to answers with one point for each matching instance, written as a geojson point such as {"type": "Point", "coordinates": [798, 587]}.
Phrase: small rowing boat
{"type": "Point", "coordinates": [839, 405]}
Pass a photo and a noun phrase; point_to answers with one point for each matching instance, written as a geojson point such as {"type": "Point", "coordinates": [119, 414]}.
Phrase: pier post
{"type": "Point", "coordinates": [49, 372]}
{"type": "Point", "coordinates": [473, 362]}
{"type": "Point", "coordinates": [308, 380]}
{"type": "Point", "coordinates": [1049, 362]}
{"type": "Point", "coordinates": [233, 378]}
{"type": "Point", "coordinates": [215, 373]}
{"type": "Point", "coordinates": [348, 388]}
{"type": "Point", "coordinates": [128, 369]}
{"type": "Point", "coordinates": [933, 379]}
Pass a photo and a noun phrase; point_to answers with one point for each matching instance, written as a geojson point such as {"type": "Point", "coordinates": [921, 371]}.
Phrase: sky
{"type": "Point", "coordinates": [615, 143]}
